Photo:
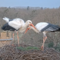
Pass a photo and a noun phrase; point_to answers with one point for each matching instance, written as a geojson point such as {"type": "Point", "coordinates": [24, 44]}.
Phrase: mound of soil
{"type": "Point", "coordinates": [12, 53]}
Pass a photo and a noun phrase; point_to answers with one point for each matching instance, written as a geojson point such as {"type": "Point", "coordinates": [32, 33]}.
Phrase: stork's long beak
{"type": "Point", "coordinates": [32, 25]}
{"type": "Point", "coordinates": [29, 27]}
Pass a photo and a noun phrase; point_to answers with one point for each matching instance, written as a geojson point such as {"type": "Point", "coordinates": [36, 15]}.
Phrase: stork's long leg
{"type": "Point", "coordinates": [44, 39]}
{"type": "Point", "coordinates": [18, 38]}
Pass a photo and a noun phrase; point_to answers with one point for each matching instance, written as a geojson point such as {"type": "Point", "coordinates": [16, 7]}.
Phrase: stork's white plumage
{"type": "Point", "coordinates": [44, 27]}
{"type": "Point", "coordinates": [16, 24]}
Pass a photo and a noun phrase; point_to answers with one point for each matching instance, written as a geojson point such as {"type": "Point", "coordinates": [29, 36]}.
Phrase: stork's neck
{"type": "Point", "coordinates": [37, 31]}
{"type": "Point", "coordinates": [25, 25]}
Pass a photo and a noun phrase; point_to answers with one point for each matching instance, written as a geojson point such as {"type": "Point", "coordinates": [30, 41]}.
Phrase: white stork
{"type": "Point", "coordinates": [16, 24]}
{"type": "Point", "coordinates": [44, 27]}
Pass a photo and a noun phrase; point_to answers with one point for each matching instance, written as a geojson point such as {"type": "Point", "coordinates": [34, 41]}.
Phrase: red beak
{"type": "Point", "coordinates": [29, 28]}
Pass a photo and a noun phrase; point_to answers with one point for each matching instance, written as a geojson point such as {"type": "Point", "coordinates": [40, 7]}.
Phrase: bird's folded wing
{"type": "Point", "coordinates": [15, 24]}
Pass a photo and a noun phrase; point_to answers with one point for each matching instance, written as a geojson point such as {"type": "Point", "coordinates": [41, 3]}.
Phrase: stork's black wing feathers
{"type": "Point", "coordinates": [51, 27]}
{"type": "Point", "coordinates": [7, 27]}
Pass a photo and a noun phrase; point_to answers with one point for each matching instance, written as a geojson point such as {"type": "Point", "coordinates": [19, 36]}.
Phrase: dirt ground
{"type": "Point", "coordinates": [12, 53]}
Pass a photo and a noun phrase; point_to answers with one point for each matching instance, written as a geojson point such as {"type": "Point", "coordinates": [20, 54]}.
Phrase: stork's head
{"type": "Point", "coordinates": [29, 23]}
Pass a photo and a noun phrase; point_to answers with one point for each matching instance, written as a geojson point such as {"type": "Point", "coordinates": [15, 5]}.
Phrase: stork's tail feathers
{"type": "Point", "coordinates": [58, 29]}
{"type": "Point", "coordinates": [6, 19]}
